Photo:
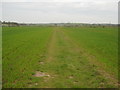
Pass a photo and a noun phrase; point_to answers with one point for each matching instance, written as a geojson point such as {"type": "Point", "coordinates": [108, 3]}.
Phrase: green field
{"type": "Point", "coordinates": [60, 57]}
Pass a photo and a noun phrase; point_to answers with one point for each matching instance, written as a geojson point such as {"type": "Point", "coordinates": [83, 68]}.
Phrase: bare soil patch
{"type": "Point", "coordinates": [41, 74]}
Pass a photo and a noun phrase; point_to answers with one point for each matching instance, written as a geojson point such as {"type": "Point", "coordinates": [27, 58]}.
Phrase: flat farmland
{"type": "Point", "coordinates": [60, 57]}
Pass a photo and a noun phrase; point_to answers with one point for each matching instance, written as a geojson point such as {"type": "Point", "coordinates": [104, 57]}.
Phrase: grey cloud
{"type": "Point", "coordinates": [61, 11]}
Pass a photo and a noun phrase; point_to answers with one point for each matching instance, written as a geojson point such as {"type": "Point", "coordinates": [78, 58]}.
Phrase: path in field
{"type": "Point", "coordinates": [65, 66]}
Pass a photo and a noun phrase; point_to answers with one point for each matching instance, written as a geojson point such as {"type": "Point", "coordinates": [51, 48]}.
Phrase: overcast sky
{"type": "Point", "coordinates": [60, 11]}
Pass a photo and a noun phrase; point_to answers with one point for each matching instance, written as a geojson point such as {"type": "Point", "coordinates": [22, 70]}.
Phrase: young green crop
{"type": "Point", "coordinates": [100, 42]}
{"type": "Point", "coordinates": [22, 48]}
{"type": "Point", "coordinates": [59, 57]}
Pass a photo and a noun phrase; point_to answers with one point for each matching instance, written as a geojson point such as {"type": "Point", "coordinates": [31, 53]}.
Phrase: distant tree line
{"type": "Point", "coordinates": [9, 24]}
{"type": "Point", "coordinates": [14, 24]}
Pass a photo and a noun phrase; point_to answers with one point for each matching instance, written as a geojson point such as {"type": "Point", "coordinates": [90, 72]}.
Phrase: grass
{"type": "Point", "coordinates": [100, 42]}
{"type": "Point", "coordinates": [63, 53]}
{"type": "Point", "coordinates": [22, 48]}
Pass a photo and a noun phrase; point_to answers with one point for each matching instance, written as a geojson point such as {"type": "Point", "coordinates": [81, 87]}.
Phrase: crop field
{"type": "Point", "coordinates": [60, 57]}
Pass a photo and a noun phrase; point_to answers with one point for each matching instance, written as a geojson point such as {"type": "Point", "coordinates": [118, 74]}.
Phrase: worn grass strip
{"type": "Point", "coordinates": [68, 67]}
